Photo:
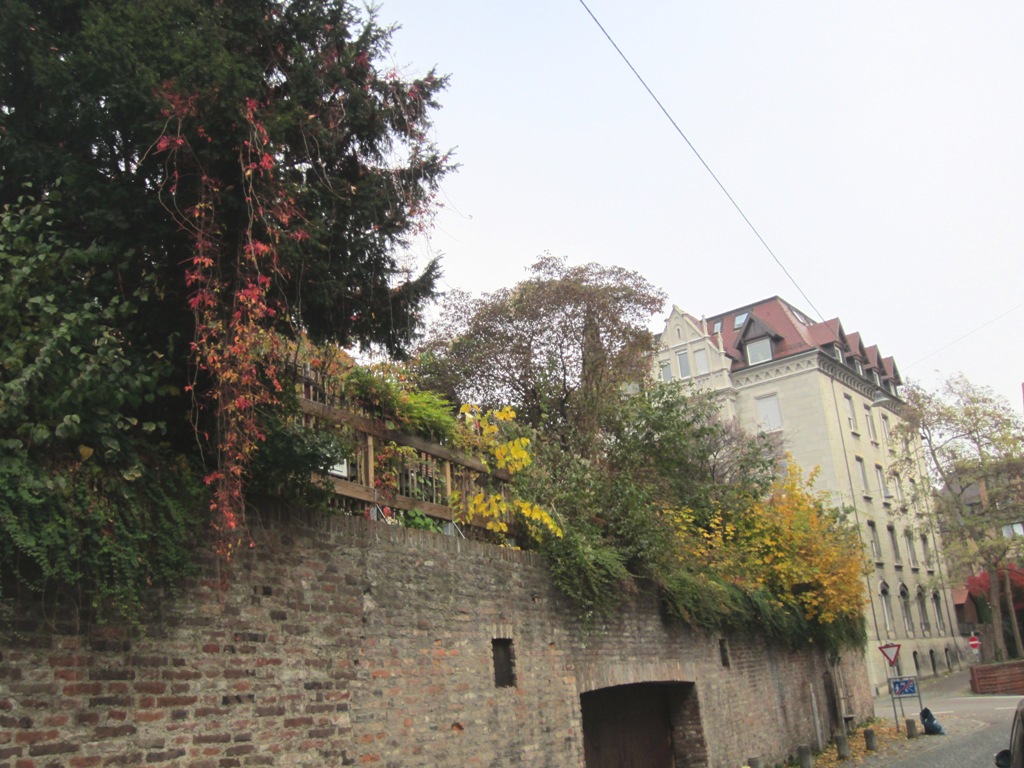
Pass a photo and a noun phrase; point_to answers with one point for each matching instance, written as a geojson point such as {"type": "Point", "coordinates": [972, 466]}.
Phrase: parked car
{"type": "Point", "coordinates": [1013, 757]}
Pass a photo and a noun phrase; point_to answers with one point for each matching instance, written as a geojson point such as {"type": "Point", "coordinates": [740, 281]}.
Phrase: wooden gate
{"type": "Point", "coordinates": [628, 726]}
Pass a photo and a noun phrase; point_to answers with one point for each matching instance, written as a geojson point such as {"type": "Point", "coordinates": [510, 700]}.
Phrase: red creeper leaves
{"type": "Point", "coordinates": [234, 344]}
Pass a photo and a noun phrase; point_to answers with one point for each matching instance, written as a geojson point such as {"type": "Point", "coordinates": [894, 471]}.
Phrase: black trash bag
{"type": "Point", "coordinates": [932, 727]}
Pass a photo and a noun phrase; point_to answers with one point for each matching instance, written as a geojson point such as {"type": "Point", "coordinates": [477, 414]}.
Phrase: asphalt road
{"type": "Point", "coordinates": [976, 726]}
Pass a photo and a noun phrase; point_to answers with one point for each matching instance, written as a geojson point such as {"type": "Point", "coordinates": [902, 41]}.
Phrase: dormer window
{"type": "Point", "coordinates": [838, 352]}
{"type": "Point", "coordinates": [859, 366]}
{"type": "Point", "coordinates": [739, 320]}
{"type": "Point", "coordinates": [759, 351]}
{"type": "Point", "coordinates": [878, 381]}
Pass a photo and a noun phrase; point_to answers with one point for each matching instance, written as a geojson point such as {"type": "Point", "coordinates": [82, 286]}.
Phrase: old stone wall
{"type": "Point", "coordinates": [346, 642]}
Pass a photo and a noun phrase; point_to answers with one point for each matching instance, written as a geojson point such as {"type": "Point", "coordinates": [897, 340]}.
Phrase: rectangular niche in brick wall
{"type": "Point", "coordinates": [504, 662]}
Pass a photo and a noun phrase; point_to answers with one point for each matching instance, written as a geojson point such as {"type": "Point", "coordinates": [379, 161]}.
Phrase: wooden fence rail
{"type": "Point", "coordinates": [426, 477]}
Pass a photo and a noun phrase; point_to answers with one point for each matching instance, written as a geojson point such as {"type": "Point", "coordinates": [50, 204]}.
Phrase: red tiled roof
{"type": "Point", "coordinates": [795, 333]}
{"type": "Point", "coordinates": [856, 345]}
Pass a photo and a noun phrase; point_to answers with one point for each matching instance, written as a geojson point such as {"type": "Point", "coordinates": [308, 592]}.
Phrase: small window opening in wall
{"type": "Point", "coordinates": [723, 651]}
{"type": "Point", "coordinates": [504, 662]}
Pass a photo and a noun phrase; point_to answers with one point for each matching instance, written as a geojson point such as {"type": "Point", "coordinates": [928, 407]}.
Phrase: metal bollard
{"type": "Point", "coordinates": [842, 746]}
{"type": "Point", "coordinates": [911, 728]}
{"type": "Point", "coordinates": [806, 761]}
{"type": "Point", "coordinates": [870, 740]}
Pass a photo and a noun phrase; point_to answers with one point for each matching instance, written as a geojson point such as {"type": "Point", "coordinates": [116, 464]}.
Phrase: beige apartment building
{"type": "Point", "coordinates": [835, 403]}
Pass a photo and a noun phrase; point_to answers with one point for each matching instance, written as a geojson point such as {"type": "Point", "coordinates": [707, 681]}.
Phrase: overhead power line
{"type": "Point", "coordinates": [702, 161]}
{"type": "Point", "coordinates": [744, 216]}
{"type": "Point", "coordinates": [958, 339]}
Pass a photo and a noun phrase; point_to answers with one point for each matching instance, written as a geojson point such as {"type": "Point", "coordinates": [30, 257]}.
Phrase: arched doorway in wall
{"type": "Point", "coordinates": [642, 725]}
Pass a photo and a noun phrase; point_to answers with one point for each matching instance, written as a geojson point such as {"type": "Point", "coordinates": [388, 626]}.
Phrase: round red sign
{"type": "Point", "coordinates": [974, 642]}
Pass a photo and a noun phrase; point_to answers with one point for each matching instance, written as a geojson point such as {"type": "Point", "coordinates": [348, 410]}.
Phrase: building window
{"type": "Point", "coordinates": [857, 364]}
{"type": "Point", "coordinates": [897, 489]}
{"type": "Point", "coordinates": [717, 327]}
{"type": "Point", "coordinates": [878, 381]}
{"type": "Point", "coordinates": [739, 320]}
{"type": "Point", "coordinates": [838, 352]}
{"type": "Point", "coordinates": [1014, 529]}
{"type": "Point", "coordinates": [759, 351]}
{"type": "Point", "coordinates": [870, 421]}
{"type": "Point", "coordinates": [885, 431]}
{"type": "Point", "coordinates": [876, 545]}
{"type": "Point", "coordinates": [908, 620]}
{"type": "Point", "coordinates": [679, 332]}
{"type": "Point", "coordinates": [922, 607]}
{"type": "Point", "coordinates": [883, 487]}
{"type": "Point", "coordinates": [883, 591]}
{"type": "Point", "coordinates": [504, 662]}
{"type": "Point", "coordinates": [911, 549]}
{"type": "Point", "coordinates": [769, 415]}
{"type": "Point", "coordinates": [895, 544]}
{"type": "Point", "coordinates": [700, 361]}
{"type": "Point", "coordinates": [863, 470]}
{"type": "Point", "coordinates": [666, 372]}
{"type": "Point", "coordinates": [684, 365]}
{"type": "Point", "coordinates": [851, 413]}
{"type": "Point", "coordinates": [940, 622]}
{"type": "Point", "coordinates": [926, 552]}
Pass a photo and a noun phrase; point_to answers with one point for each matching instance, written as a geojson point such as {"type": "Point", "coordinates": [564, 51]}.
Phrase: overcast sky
{"type": "Point", "coordinates": [878, 148]}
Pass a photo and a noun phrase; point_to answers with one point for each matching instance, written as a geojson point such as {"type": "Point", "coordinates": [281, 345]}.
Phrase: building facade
{"type": "Point", "coordinates": [835, 404]}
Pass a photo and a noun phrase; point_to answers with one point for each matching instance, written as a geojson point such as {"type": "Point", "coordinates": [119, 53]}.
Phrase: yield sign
{"type": "Point", "coordinates": [891, 651]}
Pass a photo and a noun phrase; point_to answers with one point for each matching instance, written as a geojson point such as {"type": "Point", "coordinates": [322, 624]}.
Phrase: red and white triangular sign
{"type": "Point", "coordinates": [891, 651]}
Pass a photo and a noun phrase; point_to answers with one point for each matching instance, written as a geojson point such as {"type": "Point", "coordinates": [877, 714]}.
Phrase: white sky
{"type": "Point", "coordinates": [878, 148]}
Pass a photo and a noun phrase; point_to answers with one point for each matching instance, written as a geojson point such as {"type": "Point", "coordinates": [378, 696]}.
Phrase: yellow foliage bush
{"type": "Point", "coordinates": [496, 508]}
{"type": "Point", "coordinates": [790, 543]}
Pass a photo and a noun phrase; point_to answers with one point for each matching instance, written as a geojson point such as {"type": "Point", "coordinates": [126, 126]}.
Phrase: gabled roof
{"type": "Point", "coordinates": [793, 333]}
{"type": "Point", "coordinates": [891, 371]}
{"type": "Point", "coordinates": [856, 346]}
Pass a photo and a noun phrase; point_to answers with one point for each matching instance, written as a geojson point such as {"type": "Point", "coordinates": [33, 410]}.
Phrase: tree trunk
{"type": "Point", "coordinates": [995, 605]}
{"type": "Point", "coordinates": [1019, 650]}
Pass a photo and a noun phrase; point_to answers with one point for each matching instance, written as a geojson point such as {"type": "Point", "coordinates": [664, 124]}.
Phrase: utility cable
{"type": "Point", "coordinates": [702, 161]}
{"type": "Point", "coordinates": [969, 333]}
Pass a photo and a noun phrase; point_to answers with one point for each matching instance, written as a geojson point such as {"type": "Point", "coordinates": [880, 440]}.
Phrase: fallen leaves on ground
{"type": "Point", "coordinates": [885, 735]}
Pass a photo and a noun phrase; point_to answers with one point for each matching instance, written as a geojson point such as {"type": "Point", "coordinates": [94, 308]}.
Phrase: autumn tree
{"type": "Point", "coordinates": [788, 546]}
{"type": "Point", "coordinates": [558, 347]}
{"type": "Point", "coordinates": [683, 501]}
{"type": "Point", "coordinates": [224, 183]}
{"type": "Point", "coordinates": [972, 442]}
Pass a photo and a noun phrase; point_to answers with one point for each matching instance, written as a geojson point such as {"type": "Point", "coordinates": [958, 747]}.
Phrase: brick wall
{"type": "Point", "coordinates": [1006, 678]}
{"type": "Point", "coordinates": [344, 642]}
